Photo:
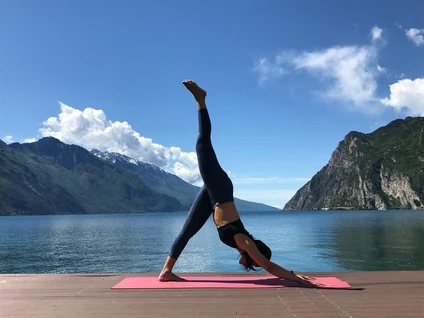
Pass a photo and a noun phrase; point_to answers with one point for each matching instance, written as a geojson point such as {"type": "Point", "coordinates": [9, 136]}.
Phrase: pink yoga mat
{"type": "Point", "coordinates": [222, 282]}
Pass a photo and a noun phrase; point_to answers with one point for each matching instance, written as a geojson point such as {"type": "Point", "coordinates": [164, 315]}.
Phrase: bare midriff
{"type": "Point", "coordinates": [225, 213]}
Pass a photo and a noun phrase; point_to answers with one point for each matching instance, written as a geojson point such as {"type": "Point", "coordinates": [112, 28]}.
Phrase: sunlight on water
{"type": "Point", "coordinates": [302, 241]}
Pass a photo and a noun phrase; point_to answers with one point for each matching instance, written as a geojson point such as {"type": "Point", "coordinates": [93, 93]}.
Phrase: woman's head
{"type": "Point", "coordinates": [248, 263]}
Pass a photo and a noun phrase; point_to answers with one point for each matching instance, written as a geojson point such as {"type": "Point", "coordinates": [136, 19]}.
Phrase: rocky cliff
{"type": "Point", "coordinates": [381, 170]}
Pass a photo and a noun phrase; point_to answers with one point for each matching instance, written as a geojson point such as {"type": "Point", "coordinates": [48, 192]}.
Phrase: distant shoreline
{"type": "Point", "coordinates": [185, 211]}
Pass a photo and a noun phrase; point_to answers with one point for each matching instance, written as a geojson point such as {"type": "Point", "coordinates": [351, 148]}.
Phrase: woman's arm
{"type": "Point", "coordinates": [246, 244]}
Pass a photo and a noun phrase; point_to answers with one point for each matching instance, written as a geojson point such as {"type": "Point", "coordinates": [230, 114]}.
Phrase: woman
{"type": "Point", "coordinates": [217, 196]}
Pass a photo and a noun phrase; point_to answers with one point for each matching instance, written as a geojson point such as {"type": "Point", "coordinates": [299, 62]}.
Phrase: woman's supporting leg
{"type": "Point", "coordinates": [196, 218]}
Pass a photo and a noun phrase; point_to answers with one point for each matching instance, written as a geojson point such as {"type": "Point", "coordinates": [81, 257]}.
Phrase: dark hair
{"type": "Point", "coordinates": [263, 248]}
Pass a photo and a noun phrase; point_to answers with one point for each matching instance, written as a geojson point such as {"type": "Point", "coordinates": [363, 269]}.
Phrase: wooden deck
{"type": "Point", "coordinates": [374, 294]}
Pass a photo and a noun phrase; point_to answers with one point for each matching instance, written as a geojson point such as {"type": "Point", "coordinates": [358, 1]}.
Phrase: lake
{"type": "Point", "coordinates": [131, 243]}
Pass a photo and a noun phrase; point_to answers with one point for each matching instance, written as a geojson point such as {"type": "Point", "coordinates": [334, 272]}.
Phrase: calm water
{"type": "Point", "coordinates": [305, 241]}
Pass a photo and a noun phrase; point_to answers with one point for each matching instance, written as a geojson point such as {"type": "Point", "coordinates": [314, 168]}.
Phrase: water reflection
{"type": "Point", "coordinates": [378, 241]}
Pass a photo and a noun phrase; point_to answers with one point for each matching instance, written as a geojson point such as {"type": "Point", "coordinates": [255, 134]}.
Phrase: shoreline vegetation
{"type": "Point", "coordinates": [336, 209]}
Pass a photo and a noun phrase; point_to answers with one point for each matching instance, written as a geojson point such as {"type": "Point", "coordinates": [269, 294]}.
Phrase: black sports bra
{"type": "Point", "coordinates": [227, 232]}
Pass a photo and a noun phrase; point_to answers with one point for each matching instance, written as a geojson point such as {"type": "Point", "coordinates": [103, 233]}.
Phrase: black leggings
{"type": "Point", "coordinates": [217, 188]}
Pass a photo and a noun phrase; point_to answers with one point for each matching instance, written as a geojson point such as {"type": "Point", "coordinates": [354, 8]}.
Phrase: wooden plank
{"type": "Point", "coordinates": [375, 294]}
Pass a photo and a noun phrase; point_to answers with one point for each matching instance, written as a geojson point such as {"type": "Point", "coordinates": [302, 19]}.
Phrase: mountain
{"type": "Point", "coordinates": [158, 180]}
{"type": "Point", "coordinates": [167, 183]}
{"type": "Point", "coordinates": [380, 170]}
{"type": "Point", "coordinates": [51, 177]}
{"type": "Point", "coordinates": [26, 186]}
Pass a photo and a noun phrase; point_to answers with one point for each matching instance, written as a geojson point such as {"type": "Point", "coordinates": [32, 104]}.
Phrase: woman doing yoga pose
{"type": "Point", "coordinates": [216, 196]}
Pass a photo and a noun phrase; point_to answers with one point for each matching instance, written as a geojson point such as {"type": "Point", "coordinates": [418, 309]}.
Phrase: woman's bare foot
{"type": "Point", "coordinates": [170, 277]}
{"type": "Point", "coordinates": [198, 93]}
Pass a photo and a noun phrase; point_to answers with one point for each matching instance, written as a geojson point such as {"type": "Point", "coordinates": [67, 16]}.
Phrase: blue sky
{"type": "Point", "coordinates": [286, 80]}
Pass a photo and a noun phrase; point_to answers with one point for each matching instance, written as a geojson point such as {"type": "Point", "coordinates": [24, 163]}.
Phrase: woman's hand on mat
{"type": "Point", "coordinates": [306, 281]}
{"type": "Point", "coordinates": [306, 277]}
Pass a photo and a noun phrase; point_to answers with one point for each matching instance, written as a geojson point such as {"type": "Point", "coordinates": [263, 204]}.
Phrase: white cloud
{"type": "Point", "coordinates": [407, 94]}
{"type": "Point", "coordinates": [267, 70]}
{"type": "Point", "coordinates": [28, 140]}
{"type": "Point", "coordinates": [91, 129]}
{"type": "Point", "coordinates": [349, 72]}
{"type": "Point", "coordinates": [8, 139]}
{"type": "Point", "coordinates": [267, 180]}
{"type": "Point", "coordinates": [184, 172]}
{"type": "Point", "coordinates": [376, 33]}
{"type": "Point", "coordinates": [275, 198]}
{"type": "Point", "coordinates": [381, 69]}
{"type": "Point", "coordinates": [416, 36]}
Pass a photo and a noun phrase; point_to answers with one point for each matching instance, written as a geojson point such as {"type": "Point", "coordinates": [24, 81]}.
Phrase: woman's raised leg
{"type": "Point", "coordinates": [216, 180]}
